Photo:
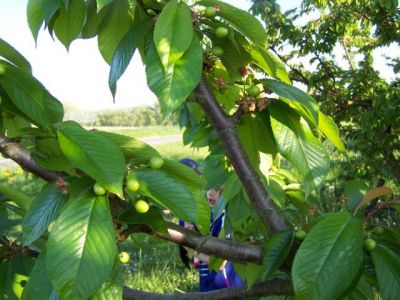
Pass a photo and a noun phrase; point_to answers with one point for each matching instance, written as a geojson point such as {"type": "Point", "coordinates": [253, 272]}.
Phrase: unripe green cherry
{"type": "Point", "coordinates": [253, 91]}
{"type": "Point", "coordinates": [2, 70]}
{"type": "Point", "coordinates": [300, 234]}
{"type": "Point", "coordinates": [132, 185]}
{"type": "Point", "coordinates": [218, 51]}
{"type": "Point", "coordinates": [156, 162]}
{"type": "Point", "coordinates": [124, 257]}
{"type": "Point", "coordinates": [142, 206]}
{"type": "Point", "coordinates": [151, 12]}
{"type": "Point", "coordinates": [221, 32]}
{"type": "Point", "coordinates": [99, 189]}
{"type": "Point", "coordinates": [370, 244]}
{"type": "Point", "coordinates": [210, 12]}
{"type": "Point", "coordinates": [379, 230]}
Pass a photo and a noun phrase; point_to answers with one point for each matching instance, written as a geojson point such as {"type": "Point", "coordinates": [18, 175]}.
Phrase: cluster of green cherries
{"type": "Point", "coordinates": [220, 32]}
{"type": "Point", "coordinates": [133, 185]}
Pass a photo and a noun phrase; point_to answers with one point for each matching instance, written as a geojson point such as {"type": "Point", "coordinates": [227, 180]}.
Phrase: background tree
{"type": "Point", "coordinates": [208, 63]}
{"type": "Point", "coordinates": [329, 47]}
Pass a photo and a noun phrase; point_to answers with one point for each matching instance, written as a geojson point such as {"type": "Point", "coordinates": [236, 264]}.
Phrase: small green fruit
{"type": "Point", "coordinates": [379, 230]}
{"type": "Point", "coordinates": [210, 12]}
{"type": "Point", "coordinates": [124, 257]}
{"type": "Point", "coordinates": [300, 234]}
{"type": "Point", "coordinates": [221, 32]}
{"type": "Point", "coordinates": [142, 206]}
{"type": "Point", "coordinates": [218, 51]}
{"type": "Point", "coordinates": [253, 91]}
{"type": "Point", "coordinates": [132, 185]}
{"type": "Point", "coordinates": [99, 189]}
{"type": "Point", "coordinates": [151, 12]}
{"type": "Point", "coordinates": [370, 244]}
{"type": "Point", "coordinates": [2, 70]}
{"type": "Point", "coordinates": [156, 162]}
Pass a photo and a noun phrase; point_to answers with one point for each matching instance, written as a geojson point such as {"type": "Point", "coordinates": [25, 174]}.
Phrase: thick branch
{"type": "Point", "coordinates": [25, 159]}
{"type": "Point", "coordinates": [267, 288]}
{"type": "Point", "coordinates": [205, 244]}
{"type": "Point", "coordinates": [226, 130]}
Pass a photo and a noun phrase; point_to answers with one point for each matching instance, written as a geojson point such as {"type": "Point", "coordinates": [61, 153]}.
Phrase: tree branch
{"type": "Point", "coordinates": [229, 138]}
{"type": "Point", "coordinates": [209, 245]}
{"type": "Point", "coordinates": [268, 288]}
{"type": "Point", "coordinates": [25, 159]}
{"type": "Point", "coordinates": [177, 234]}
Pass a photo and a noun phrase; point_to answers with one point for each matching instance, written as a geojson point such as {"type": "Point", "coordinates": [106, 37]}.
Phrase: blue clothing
{"type": "Point", "coordinates": [227, 277]}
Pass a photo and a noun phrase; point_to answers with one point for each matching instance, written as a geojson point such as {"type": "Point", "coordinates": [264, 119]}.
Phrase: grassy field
{"type": "Point", "coordinates": [139, 132]}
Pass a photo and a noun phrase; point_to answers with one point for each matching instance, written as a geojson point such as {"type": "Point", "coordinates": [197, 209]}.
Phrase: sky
{"type": "Point", "coordinates": [80, 76]}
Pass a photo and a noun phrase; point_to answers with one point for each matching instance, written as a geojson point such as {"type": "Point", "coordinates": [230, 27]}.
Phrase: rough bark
{"type": "Point", "coordinates": [205, 244]}
{"type": "Point", "coordinates": [226, 129]}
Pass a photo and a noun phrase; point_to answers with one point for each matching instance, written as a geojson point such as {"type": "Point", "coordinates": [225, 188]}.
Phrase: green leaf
{"type": "Point", "coordinates": [48, 155]}
{"type": "Point", "coordinates": [44, 209]}
{"type": "Point", "coordinates": [249, 272]}
{"type": "Point", "coordinates": [30, 97]}
{"type": "Point", "coordinates": [387, 265]}
{"type": "Point", "coordinates": [92, 154]}
{"type": "Point", "coordinates": [232, 187]}
{"type": "Point", "coordinates": [102, 3]}
{"type": "Point", "coordinates": [124, 52]}
{"type": "Point", "coordinates": [175, 85]}
{"type": "Point", "coordinates": [173, 32]}
{"type": "Point", "coordinates": [235, 56]}
{"type": "Point", "coordinates": [354, 191]}
{"type": "Point", "coordinates": [168, 192]}
{"type": "Point", "coordinates": [3, 220]}
{"type": "Point", "coordinates": [275, 191]}
{"type": "Point", "coordinates": [81, 248]}
{"type": "Point", "coordinates": [20, 198]}
{"type": "Point", "coordinates": [294, 94]}
{"type": "Point", "coordinates": [299, 146]}
{"type": "Point", "coordinates": [112, 288]}
{"type": "Point", "coordinates": [91, 25]}
{"type": "Point", "coordinates": [49, 8]}
{"type": "Point", "coordinates": [270, 64]}
{"type": "Point", "coordinates": [328, 128]}
{"type": "Point", "coordinates": [13, 56]}
{"type": "Point", "coordinates": [196, 185]}
{"type": "Point", "coordinates": [242, 21]}
{"type": "Point", "coordinates": [329, 258]}
{"type": "Point", "coordinates": [363, 291]}
{"type": "Point", "coordinates": [255, 138]}
{"type": "Point", "coordinates": [153, 218]}
{"type": "Point", "coordinates": [6, 281]}
{"type": "Point", "coordinates": [275, 251]}
{"type": "Point", "coordinates": [115, 23]}
{"type": "Point", "coordinates": [35, 17]}
{"type": "Point", "coordinates": [70, 22]}
{"type": "Point", "coordinates": [184, 174]}
{"type": "Point", "coordinates": [131, 148]}
{"type": "Point", "coordinates": [39, 286]}
{"type": "Point", "coordinates": [238, 210]}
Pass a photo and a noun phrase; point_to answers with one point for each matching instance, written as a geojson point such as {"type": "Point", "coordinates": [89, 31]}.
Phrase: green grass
{"type": "Point", "coordinates": [139, 132]}
{"type": "Point", "coordinates": [155, 266]}
{"type": "Point", "coordinates": [176, 150]}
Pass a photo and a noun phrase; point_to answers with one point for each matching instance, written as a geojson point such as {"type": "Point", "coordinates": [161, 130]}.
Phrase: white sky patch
{"type": "Point", "coordinates": [80, 76]}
